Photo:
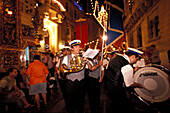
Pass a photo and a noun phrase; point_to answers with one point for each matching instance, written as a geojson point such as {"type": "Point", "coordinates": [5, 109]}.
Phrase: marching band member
{"type": "Point", "coordinates": [107, 59]}
{"type": "Point", "coordinates": [119, 75]}
{"type": "Point", "coordinates": [110, 55]}
{"type": "Point", "coordinates": [75, 85]}
{"type": "Point", "coordinates": [93, 84]}
{"type": "Point", "coordinates": [65, 51]}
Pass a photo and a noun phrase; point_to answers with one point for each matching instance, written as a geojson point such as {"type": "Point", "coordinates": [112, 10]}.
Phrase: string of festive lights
{"type": "Point", "coordinates": [89, 43]}
{"type": "Point", "coordinates": [60, 5]}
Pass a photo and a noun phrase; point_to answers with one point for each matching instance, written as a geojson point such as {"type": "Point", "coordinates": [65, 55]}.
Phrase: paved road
{"type": "Point", "coordinates": [57, 105]}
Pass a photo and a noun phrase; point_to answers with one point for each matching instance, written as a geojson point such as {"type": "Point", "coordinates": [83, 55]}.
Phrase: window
{"type": "Point", "coordinates": [156, 23]}
{"type": "Point", "coordinates": [154, 28]}
{"type": "Point", "coordinates": [71, 13]}
{"type": "Point", "coordinates": [26, 9]}
{"type": "Point", "coordinates": [22, 9]}
{"type": "Point", "coordinates": [67, 30]}
{"type": "Point", "coordinates": [66, 6]}
{"type": "Point", "coordinates": [151, 29]}
{"type": "Point", "coordinates": [75, 14]}
{"type": "Point", "coordinates": [139, 37]}
{"type": "Point", "coordinates": [22, 5]}
{"type": "Point", "coordinates": [26, 1]}
{"type": "Point", "coordinates": [131, 41]}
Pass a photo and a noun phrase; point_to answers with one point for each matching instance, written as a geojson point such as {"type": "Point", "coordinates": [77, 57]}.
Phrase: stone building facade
{"type": "Point", "coordinates": [40, 25]}
{"type": "Point", "coordinates": [146, 22]}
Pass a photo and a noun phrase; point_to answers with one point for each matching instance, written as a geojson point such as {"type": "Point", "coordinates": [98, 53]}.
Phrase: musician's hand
{"type": "Point", "coordinates": [136, 68]}
{"type": "Point", "coordinates": [100, 63]}
{"type": "Point", "coordinates": [58, 72]}
{"type": "Point", "coordinates": [136, 85]}
{"type": "Point", "coordinates": [85, 60]}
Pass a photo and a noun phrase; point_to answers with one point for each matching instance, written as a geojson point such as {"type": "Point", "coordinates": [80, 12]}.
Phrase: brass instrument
{"type": "Point", "coordinates": [123, 48]}
{"type": "Point", "coordinates": [76, 65]}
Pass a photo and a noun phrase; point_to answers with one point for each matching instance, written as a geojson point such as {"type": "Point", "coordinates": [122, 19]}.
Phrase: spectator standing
{"type": "Point", "coordinates": [155, 59]}
{"type": "Point", "coordinates": [23, 82]}
{"type": "Point", "coordinates": [44, 58]}
{"type": "Point", "coordinates": [147, 55]}
{"type": "Point", "coordinates": [50, 64]}
{"type": "Point", "coordinates": [37, 73]}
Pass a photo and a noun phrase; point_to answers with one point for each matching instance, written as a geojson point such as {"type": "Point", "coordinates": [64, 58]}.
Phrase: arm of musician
{"type": "Point", "coordinates": [136, 85]}
{"type": "Point", "coordinates": [101, 78]}
{"type": "Point", "coordinates": [96, 66]}
{"type": "Point", "coordinates": [57, 67]}
{"type": "Point", "coordinates": [57, 70]}
{"type": "Point", "coordinates": [89, 65]}
{"type": "Point", "coordinates": [136, 68]}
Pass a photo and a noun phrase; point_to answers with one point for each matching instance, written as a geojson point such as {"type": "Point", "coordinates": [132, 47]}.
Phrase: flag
{"type": "Point", "coordinates": [114, 24]}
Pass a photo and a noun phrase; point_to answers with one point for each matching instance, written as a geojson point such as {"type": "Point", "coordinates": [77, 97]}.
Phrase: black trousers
{"type": "Point", "coordinates": [76, 96]}
{"type": "Point", "coordinates": [64, 90]}
{"type": "Point", "coordinates": [118, 97]}
{"type": "Point", "coordinates": [93, 90]}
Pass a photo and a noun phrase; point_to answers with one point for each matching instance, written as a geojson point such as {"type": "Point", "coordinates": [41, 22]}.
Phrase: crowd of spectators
{"type": "Point", "coordinates": [26, 86]}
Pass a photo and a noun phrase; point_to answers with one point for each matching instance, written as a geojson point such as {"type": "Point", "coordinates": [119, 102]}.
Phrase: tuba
{"type": "Point", "coordinates": [76, 65]}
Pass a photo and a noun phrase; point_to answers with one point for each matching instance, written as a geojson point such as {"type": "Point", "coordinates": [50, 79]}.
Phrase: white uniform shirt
{"type": "Point", "coordinates": [127, 72]}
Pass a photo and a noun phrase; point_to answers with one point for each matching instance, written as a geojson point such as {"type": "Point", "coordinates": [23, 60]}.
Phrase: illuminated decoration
{"type": "Point", "coordinates": [44, 29]}
{"type": "Point", "coordinates": [53, 30]}
{"type": "Point", "coordinates": [130, 5]}
{"type": "Point", "coordinates": [36, 24]}
{"type": "Point", "coordinates": [9, 24]}
{"type": "Point", "coordinates": [61, 46]}
{"type": "Point", "coordinates": [95, 8]}
{"type": "Point", "coordinates": [92, 42]}
{"type": "Point", "coordinates": [102, 17]}
{"type": "Point", "coordinates": [60, 5]}
{"type": "Point", "coordinates": [104, 37]}
{"type": "Point", "coordinates": [8, 11]}
{"type": "Point", "coordinates": [76, 4]}
{"type": "Point", "coordinates": [42, 42]}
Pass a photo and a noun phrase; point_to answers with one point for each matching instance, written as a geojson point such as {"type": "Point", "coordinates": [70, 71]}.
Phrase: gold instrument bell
{"type": "Point", "coordinates": [76, 65]}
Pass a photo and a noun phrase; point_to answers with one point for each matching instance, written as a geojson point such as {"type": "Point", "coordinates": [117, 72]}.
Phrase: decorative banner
{"type": "Point", "coordinates": [82, 31]}
{"type": "Point", "coordinates": [115, 25]}
{"type": "Point", "coordinates": [118, 42]}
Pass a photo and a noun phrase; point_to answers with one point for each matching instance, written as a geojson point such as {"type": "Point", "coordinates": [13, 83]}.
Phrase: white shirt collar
{"type": "Point", "coordinates": [126, 57]}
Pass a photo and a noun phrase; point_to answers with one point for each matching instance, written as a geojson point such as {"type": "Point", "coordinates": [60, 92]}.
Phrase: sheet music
{"type": "Point", "coordinates": [90, 53]}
